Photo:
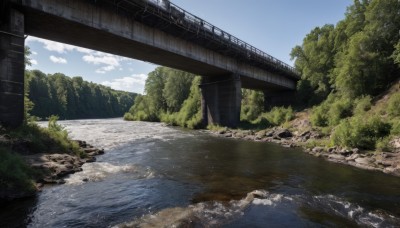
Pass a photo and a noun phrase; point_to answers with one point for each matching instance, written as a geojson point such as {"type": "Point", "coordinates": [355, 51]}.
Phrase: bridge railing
{"type": "Point", "coordinates": [174, 14]}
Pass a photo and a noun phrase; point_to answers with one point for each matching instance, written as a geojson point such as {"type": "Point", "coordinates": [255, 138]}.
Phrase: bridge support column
{"type": "Point", "coordinates": [278, 98]}
{"type": "Point", "coordinates": [11, 67]}
{"type": "Point", "coordinates": [221, 100]}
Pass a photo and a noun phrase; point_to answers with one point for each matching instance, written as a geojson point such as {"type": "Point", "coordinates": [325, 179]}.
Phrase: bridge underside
{"type": "Point", "coordinates": [90, 26]}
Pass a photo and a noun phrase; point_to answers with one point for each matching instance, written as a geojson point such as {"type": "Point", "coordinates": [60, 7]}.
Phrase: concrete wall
{"type": "Point", "coordinates": [12, 69]}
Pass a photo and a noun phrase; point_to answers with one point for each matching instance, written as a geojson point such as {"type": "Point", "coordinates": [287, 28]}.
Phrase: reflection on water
{"type": "Point", "coordinates": [152, 174]}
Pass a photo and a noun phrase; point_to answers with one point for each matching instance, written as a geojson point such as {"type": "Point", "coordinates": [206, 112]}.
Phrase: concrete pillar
{"type": "Point", "coordinates": [278, 98]}
{"type": "Point", "coordinates": [11, 68]}
{"type": "Point", "coordinates": [221, 100]}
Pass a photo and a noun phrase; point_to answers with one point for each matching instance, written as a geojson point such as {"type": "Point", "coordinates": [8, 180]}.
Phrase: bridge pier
{"type": "Point", "coordinates": [221, 100]}
{"type": "Point", "coordinates": [11, 67]}
{"type": "Point", "coordinates": [278, 98]}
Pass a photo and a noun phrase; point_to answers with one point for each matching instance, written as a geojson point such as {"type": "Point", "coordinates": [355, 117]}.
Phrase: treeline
{"type": "Point", "coordinates": [73, 98]}
{"type": "Point", "coordinates": [345, 67]}
{"type": "Point", "coordinates": [172, 96]}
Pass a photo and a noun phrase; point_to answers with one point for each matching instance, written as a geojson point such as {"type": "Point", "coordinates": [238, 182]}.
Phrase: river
{"type": "Point", "coordinates": [153, 175]}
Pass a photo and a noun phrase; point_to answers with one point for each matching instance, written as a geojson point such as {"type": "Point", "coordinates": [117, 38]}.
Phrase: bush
{"type": "Point", "coordinates": [395, 127]}
{"type": "Point", "coordinates": [319, 116]}
{"type": "Point", "coordinates": [394, 105]}
{"type": "Point", "coordinates": [277, 116]}
{"type": "Point", "coordinates": [362, 105]}
{"type": "Point", "coordinates": [340, 109]}
{"type": "Point", "coordinates": [360, 132]}
{"type": "Point", "coordinates": [14, 172]}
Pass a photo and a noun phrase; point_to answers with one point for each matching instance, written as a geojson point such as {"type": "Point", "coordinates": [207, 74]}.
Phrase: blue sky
{"type": "Point", "coordinates": [274, 26]}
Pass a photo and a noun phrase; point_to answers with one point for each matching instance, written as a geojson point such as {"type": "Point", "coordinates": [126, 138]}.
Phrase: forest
{"type": "Point", "coordinates": [72, 98]}
{"type": "Point", "coordinates": [345, 69]}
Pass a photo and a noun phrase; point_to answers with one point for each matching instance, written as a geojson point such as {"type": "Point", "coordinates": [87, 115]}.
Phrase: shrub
{"type": "Point", "coordinates": [278, 115]}
{"type": "Point", "coordinates": [360, 132]}
{"type": "Point", "coordinates": [14, 172]}
{"type": "Point", "coordinates": [394, 105]}
{"type": "Point", "coordinates": [395, 127]}
{"type": "Point", "coordinates": [319, 116]}
{"type": "Point", "coordinates": [362, 105]}
{"type": "Point", "coordinates": [340, 109]}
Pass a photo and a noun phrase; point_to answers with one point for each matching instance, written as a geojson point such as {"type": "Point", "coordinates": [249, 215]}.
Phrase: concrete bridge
{"type": "Point", "coordinates": [156, 31]}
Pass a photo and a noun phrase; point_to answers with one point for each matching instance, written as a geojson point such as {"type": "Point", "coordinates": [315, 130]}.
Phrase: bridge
{"type": "Point", "coordinates": [156, 31]}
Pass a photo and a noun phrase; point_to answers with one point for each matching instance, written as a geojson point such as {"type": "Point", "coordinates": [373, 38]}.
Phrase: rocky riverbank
{"type": "Point", "coordinates": [387, 162]}
{"type": "Point", "coordinates": [48, 168]}
{"type": "Point", "coordinates": [57, 166]}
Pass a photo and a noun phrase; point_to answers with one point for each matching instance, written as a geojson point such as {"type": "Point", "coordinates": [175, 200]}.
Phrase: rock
{"type": "Point", "coordinates": [352, 157]}
{"type": "Point", "coordinates": [395, 144]}
{"type": "Point", "coordinates": [221, 132]}
{"type": "Point", "coordinates": [228, 135]}
{"type": "Point", "coordinates": [284, 133]}
{"type": "Point", "coordinates": [90, 159]}
{"type": "Point", "coordinates": [317, 149]}
{"type": "Point", "coordinates": [270, 133]}
{"type": "Point", "coordinates": [337, 157]}
{"type": "Point", "coordinates": [345, 152]}
{"type": "Point", "coordinates": [332, 149]}
{"type": "Point", "coordinates": [364, 161]}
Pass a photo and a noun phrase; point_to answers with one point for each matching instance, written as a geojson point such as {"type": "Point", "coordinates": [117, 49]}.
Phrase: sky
{"type": "Point", "coordinates": [274, 26]}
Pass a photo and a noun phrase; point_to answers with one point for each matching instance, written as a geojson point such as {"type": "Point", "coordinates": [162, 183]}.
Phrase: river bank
{"type": "Point", "coordinates": [46, 167]}
{"type": "Point", "coordinates": [386, 162]}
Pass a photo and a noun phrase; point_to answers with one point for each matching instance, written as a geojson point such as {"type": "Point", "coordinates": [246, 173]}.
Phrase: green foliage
{"type": "Point", "coordinates": [252, 104]}
{"type": "Point", "coordinates": [396, 54]}
{"type": "Point", "coordinates": [277, 116]}
{"type": "Point", "coordinates": [72, 98]}
{"type": "Point", "coordinates": [179, 103]}
{"type": "Point", "coordinates": [362, 105]}
{"type": "Point", "coordinates": [331, 111]}
{"type": "Point", "coordinates": [14, 172]}
{"type": "Point", "coordinates": [190, 113]}
{"type": "Point", "coordinates": [46, 140]}
{"type": "Point", "coordinates": [360, 132]}
{"type": "Point", "coordinates": [395, 127]}
{"type": "Point", "coordinates": [393, 108]}
{"type": "Point", "coordinates": [315, 60]}
{"type": "Point", "coordinates": [355, 58]}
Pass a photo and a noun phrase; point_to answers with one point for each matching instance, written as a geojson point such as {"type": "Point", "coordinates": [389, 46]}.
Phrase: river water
{"type": "Point", "coordinates": [153, 176]}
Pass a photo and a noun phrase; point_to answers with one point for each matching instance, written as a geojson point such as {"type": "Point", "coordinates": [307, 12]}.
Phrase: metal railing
{"type": "Point", "coordinates": [174, 14]}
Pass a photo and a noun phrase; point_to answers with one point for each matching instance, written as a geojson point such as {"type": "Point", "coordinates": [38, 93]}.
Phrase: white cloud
{"type": "Point", "coordinates": [34, 53]}
{"type": "Point", "coordinates": [56, 46]}
{"type": "Point", "coordinates": [58, 59]}
{"type": "Point", "coordinates": [101, 59]}
{"type": "Point", "coordinates": [104, 69]}
{"type": "Point", "coordinates": [134, 83]}
{"type": "Point", "coordinates": [34, 62]}
{"type": "Point", "coordinates": [110, 61]}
